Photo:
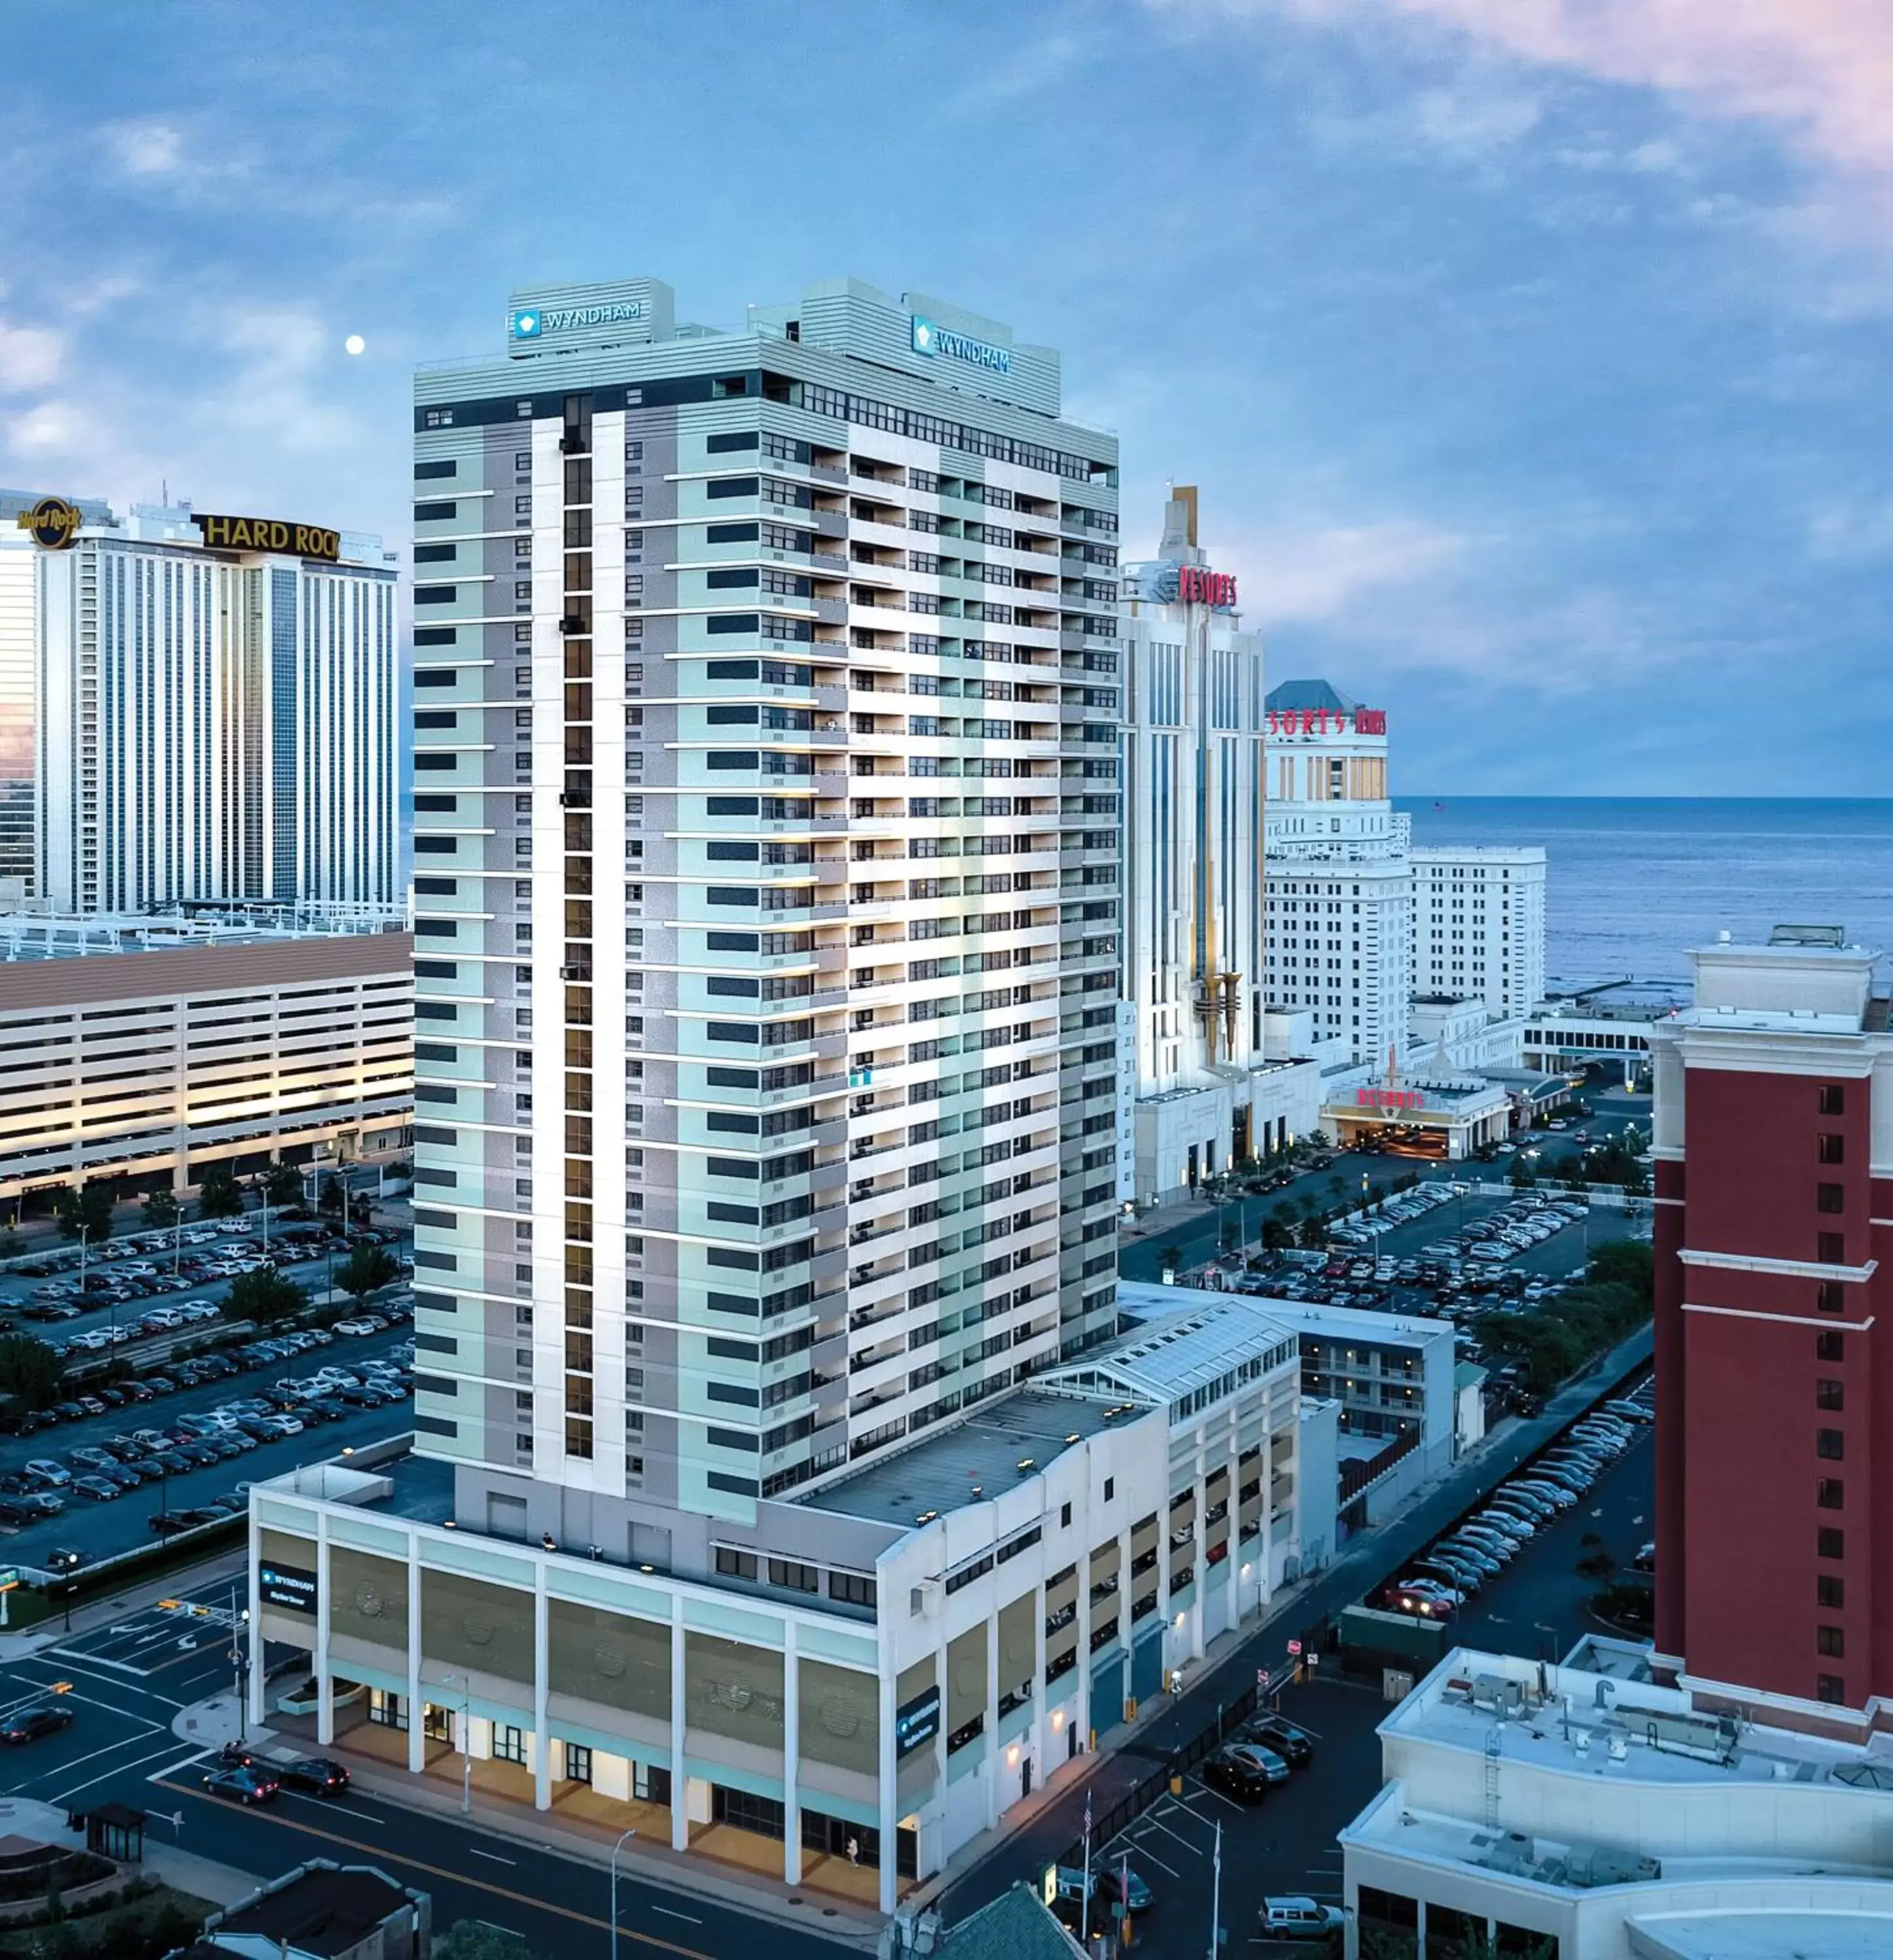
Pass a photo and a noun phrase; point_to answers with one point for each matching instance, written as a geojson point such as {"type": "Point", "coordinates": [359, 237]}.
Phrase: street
{"type": "Point", "coordinates": [131, 1681]}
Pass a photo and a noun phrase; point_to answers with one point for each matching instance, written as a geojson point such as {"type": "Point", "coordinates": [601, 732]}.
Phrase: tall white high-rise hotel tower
{"type": "Point", "coordinates": [766, 836]}
{"type": "Point", "coordinates": [210, 714]}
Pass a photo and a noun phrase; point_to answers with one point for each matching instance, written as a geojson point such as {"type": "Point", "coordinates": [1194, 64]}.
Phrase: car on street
{"type": "Point", "coordinates": [28, 1725]}
{"type": "Point", "coordinates": [253, 1784]}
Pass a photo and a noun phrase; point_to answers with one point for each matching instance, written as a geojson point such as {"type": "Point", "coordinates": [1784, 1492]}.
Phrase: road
{"type": "Point", "coordinates": [1288, 1842]}
{"type": "Point", "coordinates": [129, 1683]}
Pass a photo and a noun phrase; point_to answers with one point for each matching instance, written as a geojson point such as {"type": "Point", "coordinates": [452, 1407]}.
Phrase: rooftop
{"type": "Point", "coordinates": [1193, 1339]}
{"type": "Point", "coordinates": [1145, 1300]}
{"type": "Point", "coordinates": [1584, 1723]}
{"type": "Point", "coordinates": [36, 935]}
{"type": "Point", "coordinates": [979, 1457]}
{"type": "Point", "coordinates": [1309, 694]}
{"type": "Point", "coordinates": [322, 1908]}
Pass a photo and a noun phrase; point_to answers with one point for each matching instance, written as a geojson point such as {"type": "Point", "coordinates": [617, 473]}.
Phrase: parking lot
{"type": "Point", "coordinates": [1286, 1844]}
{"type": "Point", "coordinates": [181, 1439]}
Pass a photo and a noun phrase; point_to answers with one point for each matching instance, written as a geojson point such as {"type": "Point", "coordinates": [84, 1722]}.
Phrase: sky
{"type": "Point", "coordinates": [1532, 355]}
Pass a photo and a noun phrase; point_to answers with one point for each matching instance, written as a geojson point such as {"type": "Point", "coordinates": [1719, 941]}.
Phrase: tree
{"type": "Point", "coordinates": [1278, 1231]}
{"type": "Point", "coordinates": [366, 1271]}
{"type": "Point", "coordinates": [473, 1939]}
{"type": "Point", "coordinates": [1523, 1176]}
{"type": "Point", "coordinates": [1314, 1232]}
{"type": "Point", "coordinates": [1626, 1262]}
{"type": "Point", "coordinates": [281, 1184]}
{"type": "Point", "coordinates": [1635, 1181]}
{"type": "Point", "coordinates": [31, 1374]}
{"type": "Point", "coordinates": [1170, 1262]}
{"type": "Point", "coordinates": [85, 1212]}
{"type": "Point", "coordinates": [264, 1296]}
{"type": "Point", "coordinates": [160, 1208]}
{"type": "Point", "coordinates": [217, 1194]}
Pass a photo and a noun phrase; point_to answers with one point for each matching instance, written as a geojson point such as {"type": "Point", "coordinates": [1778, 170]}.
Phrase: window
{"type": "Point", "coordinates": [852, 1588]}
{"type": "Point", "coordinates": [1829, 1591]}
{"type": "Point", "coordinates": [1827, 1346]}
{"type": "Point", "coordinates": [1833, 1148]}
{"type": "Point", "coordinates": [1830, 1248]}
{"type": "Point", "coordinates": [1827, 1393]}
{"type": "Point", "coordinates": [578, 1763]}
{"type": "Point", "coordinates": [1833, 1099]}
{"type": "Point", "coordinates": [1830, 1492]}
{"type": "Point", "coordinates": [1831, 1297]}
{"type": "Point", "coordinates": [1831, 1443]}
{"type": "Point", "coordinates": [1831, 1543]}
{"type": "Point", "coordinates": [1064, 1516]}
{"type": "Point", "coordinates": [1831, 1688]}
{"type": "Point", "coordinates": [509, 1743]}
{"type": "Point", "coordinates": [733, 1564]}
{"type": "Point", "coordinates": [1831, 1198]}
{"type": "Point", "coordinates": [1829, 1640]}
{"type": "Point", "coordinates": [1110, 1488]}
{"type": "Point", "coordinates": [794, 1577]}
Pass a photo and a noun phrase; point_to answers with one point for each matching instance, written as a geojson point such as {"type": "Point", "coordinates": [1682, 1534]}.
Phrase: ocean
{"type": "Point", "coordinates": [1634, 882]}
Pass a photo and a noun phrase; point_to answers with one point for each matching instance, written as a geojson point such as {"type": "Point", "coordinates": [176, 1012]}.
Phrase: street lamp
{"type": "Point", "coordinates": [614, 1849]}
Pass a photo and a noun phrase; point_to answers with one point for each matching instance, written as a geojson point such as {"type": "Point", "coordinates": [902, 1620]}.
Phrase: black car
{"type": "Point", "coordinates": [165, 1524]}
{"type": "Point", "coordinates": [250, 1785]}
{"type": "Point", "coordinates": [1237, 1771]}
{"type": "Point", "coordinates": [29, 1724]}
{"type": "Point", "coordinates": [316, 1774]}
{"type": "Point", "coordinates": [1292, 1745]}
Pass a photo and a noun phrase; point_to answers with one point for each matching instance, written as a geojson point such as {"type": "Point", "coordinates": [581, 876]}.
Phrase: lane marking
{"type": "Point", "coordinates": [381, 1851]}
{"type": "Point", "coordinates": [119, 1769]}
{"type": "Point", "coordinates": [669, 1914]}
{"type": "Point", "coordinates": [474, 1851]}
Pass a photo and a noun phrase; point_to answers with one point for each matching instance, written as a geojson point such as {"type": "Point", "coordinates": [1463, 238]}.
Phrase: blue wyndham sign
{"type": "Point", "coordinates": [931, 339]}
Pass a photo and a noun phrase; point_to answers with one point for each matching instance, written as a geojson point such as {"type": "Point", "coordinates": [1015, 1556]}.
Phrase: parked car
{"type": "Point", "coordinates": [1293, 1745]}
{"type": "Point", "coordinates": [1238, 1771]}
{"type": "Point", "coordinates": [252, 1785]}
{"type": "Point", "coordinates": [1294, 1917]}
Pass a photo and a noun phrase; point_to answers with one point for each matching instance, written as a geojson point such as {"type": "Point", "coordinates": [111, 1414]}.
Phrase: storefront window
{"type": "Point", "coordinates": [390, 1711]}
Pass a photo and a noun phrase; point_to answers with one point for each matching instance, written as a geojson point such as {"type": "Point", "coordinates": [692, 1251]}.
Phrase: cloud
{"type": "Point", "coordinates": [1820, 71]}
{"type": "Point", "coordinates": [1031, 69]}
{"type": "Point", "coordinates": [1303, 575]}
{"type": "Point", "coordinates": [147, 148]}
{"type": "Point", "coordinates": [1475, 122]}
{"type": "Point", "coordinates": [1851, 533]}
{"type": "Point", "coordinates": [30, 357]}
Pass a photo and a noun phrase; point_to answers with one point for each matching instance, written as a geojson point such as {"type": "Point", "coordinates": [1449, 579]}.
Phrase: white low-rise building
{"type": "Point", "coordinates": [894, 1660]}
{"type": "Point", "coordinates": [1390, 1376]}
{"type": "Point", "coordinates": [1587, 1812]}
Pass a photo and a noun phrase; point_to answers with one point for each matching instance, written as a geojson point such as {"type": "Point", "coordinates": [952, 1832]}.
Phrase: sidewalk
{"type": "Point", "coordinates": [212, 1723]}
{"type": "Point", "coordinates": [202, 1878]}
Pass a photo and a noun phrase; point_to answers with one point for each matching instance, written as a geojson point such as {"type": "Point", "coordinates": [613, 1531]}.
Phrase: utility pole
{"type": "Point", "coordinates": [1084, 1903]}
{"type": "Point", "coordinates": [1216, 1896]}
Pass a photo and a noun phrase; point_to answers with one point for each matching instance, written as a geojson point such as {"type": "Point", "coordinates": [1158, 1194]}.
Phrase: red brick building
{"type": "Point", "coordinates": [1773, 1151]}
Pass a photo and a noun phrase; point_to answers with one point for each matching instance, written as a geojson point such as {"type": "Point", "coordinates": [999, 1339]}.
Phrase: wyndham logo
{"type": "Point", "coordinates": [931, 339]}
{"type": "Point", "coordinates": [531, 323]}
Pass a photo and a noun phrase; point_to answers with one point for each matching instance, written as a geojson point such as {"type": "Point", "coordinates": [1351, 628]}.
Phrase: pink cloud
{"type": "Point", "coordinates": [1822, 70]}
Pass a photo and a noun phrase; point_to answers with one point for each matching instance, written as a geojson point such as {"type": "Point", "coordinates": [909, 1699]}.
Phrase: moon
{"type": "Point", "coordinates": [355, 343]}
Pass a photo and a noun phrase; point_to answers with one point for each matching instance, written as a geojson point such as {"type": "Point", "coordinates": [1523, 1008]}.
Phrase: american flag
{"type": "Point", "coordinates": [1087, 1813]}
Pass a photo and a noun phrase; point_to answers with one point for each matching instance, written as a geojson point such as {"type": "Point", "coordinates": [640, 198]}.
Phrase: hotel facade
{"type": "Point", "coordinates": [1214, 1079]}
{"type": "Point", "coordinates": [767, 814]}
{"type": "Point", "coordinates": [212, 705]}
